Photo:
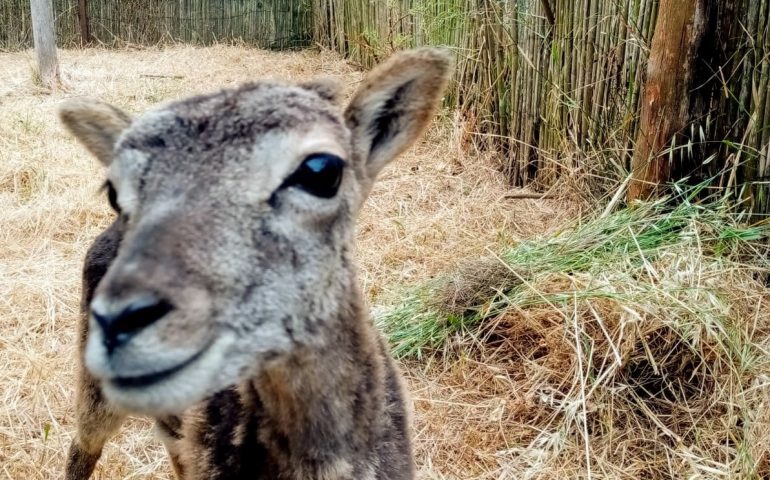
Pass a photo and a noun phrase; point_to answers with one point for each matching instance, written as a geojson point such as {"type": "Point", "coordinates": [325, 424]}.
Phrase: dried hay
{"type": "Point", "coordinates": [634, 345]}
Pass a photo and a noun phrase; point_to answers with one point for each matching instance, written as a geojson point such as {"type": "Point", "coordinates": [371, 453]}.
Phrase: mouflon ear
{"type": "Point", "coordinates": [395, 103]}
{"type": "Point", "coordinates": [96, 124]}
{"type": "Point", "coordinates": [327, 88]}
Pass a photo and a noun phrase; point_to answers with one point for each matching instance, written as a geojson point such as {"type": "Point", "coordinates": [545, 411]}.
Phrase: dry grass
{"type": "Point", "coordinates": [630, 346]}
{"type": "Point", "coordinates": [633, 345]}
{"type": "Point", "coordinates": [435, 206]}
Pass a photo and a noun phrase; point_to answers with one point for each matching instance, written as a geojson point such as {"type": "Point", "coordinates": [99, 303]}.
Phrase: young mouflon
{"type": "Point", "coordinates": [223, 300]}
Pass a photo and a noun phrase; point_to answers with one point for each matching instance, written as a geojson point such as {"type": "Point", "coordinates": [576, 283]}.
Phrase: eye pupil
{"type": "Point", "coordinates": [320, 175]}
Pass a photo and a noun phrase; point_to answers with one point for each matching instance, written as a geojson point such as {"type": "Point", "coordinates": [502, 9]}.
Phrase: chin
{"type": "Point", "coordinates": [174, 390]}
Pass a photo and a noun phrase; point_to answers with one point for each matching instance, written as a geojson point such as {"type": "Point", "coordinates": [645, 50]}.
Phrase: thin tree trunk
{"type": "Point", "coordinates": [45, 42]}
{"type": "Point", "coordinates": [665, 106]}
{"type": "Point", "coordinates": [85, 33]}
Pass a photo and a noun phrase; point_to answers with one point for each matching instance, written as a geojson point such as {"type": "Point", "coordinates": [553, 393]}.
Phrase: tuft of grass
{"type": "Point", "coordinates": [637, 342]}
{"type": "Point", "coordinates": [626, 242]}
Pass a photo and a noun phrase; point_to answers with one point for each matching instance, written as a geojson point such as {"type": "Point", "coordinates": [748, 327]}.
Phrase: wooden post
{"type": "Point", "coordinates": [85, 33]}
{"type": "Point", "coordinates": [45, 42]}
{"type": "Point", "coordinates": [665, 105]}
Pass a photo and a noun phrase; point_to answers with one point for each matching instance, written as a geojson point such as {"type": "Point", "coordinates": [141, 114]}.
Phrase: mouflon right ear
{"type": "Point", "coordinates": [96, 124]}
{"type": "Point", "coordinates": [395, 103]}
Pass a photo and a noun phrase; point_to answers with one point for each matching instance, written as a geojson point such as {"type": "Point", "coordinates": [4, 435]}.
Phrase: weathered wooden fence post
{"type": "Point", "coordinates": [44, 37]}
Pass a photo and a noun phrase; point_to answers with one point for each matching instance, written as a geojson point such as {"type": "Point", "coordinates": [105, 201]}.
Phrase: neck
{"type": "Point", "coordinates": [320, 403]}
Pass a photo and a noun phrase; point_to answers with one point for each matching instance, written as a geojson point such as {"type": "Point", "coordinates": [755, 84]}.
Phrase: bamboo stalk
{"type": "Point", "coordinates": [588, 63]}
{"type": "Point", "coordinates": [763, 111]}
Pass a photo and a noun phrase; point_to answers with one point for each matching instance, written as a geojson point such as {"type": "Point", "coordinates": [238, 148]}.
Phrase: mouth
{"type": "Point", "coordinates": [146, 380]}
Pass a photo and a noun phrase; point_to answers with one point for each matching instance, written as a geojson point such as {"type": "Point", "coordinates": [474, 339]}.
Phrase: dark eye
{"type": "Point", "coordinates": [112, 196]}
{"type": "Point", "coordinates": [320, 175]}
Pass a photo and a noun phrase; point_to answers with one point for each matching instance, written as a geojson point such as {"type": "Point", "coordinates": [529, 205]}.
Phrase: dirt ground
{"type": "Point", "coordinates": [435, 206]}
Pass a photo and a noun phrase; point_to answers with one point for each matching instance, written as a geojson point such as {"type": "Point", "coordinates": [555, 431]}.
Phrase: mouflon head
{"type": "Point", "coordinates": [238, 213]}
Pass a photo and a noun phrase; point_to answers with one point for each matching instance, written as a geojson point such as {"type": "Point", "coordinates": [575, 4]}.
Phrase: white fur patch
{"type": "Point", "coordinates": [122, 174]}
{"type": "Point", "coordinates": [340, 469]}
{"type": "Point", "coordinates": [172, 395]}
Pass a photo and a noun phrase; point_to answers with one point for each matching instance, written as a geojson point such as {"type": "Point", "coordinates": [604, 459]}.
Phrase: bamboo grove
{"type": "Point", "coordinates": [553, 85]}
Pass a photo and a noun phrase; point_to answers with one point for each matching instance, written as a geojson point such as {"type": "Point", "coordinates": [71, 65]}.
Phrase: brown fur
{"type": "Point", "coordinates": [289, 379]}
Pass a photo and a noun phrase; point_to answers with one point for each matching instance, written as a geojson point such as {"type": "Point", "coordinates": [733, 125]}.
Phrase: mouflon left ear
{"type": "Point", "coordinates": [96, 124]}
{"type": "Point", "coordinates": [395, 103]}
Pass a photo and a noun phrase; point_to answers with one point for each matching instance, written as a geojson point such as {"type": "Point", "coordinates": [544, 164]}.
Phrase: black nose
{"type": "Point", "coordinates": [119, 327]}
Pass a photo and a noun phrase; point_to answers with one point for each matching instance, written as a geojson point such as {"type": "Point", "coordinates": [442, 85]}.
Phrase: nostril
{"type": "Point", "coordinates": [119, 328]}
{"type": "Point", "coordinates": [135, 317]}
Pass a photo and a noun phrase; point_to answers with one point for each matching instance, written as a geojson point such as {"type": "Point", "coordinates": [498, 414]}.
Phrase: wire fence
{"type": "Point", "coordinates": [278, 24]}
